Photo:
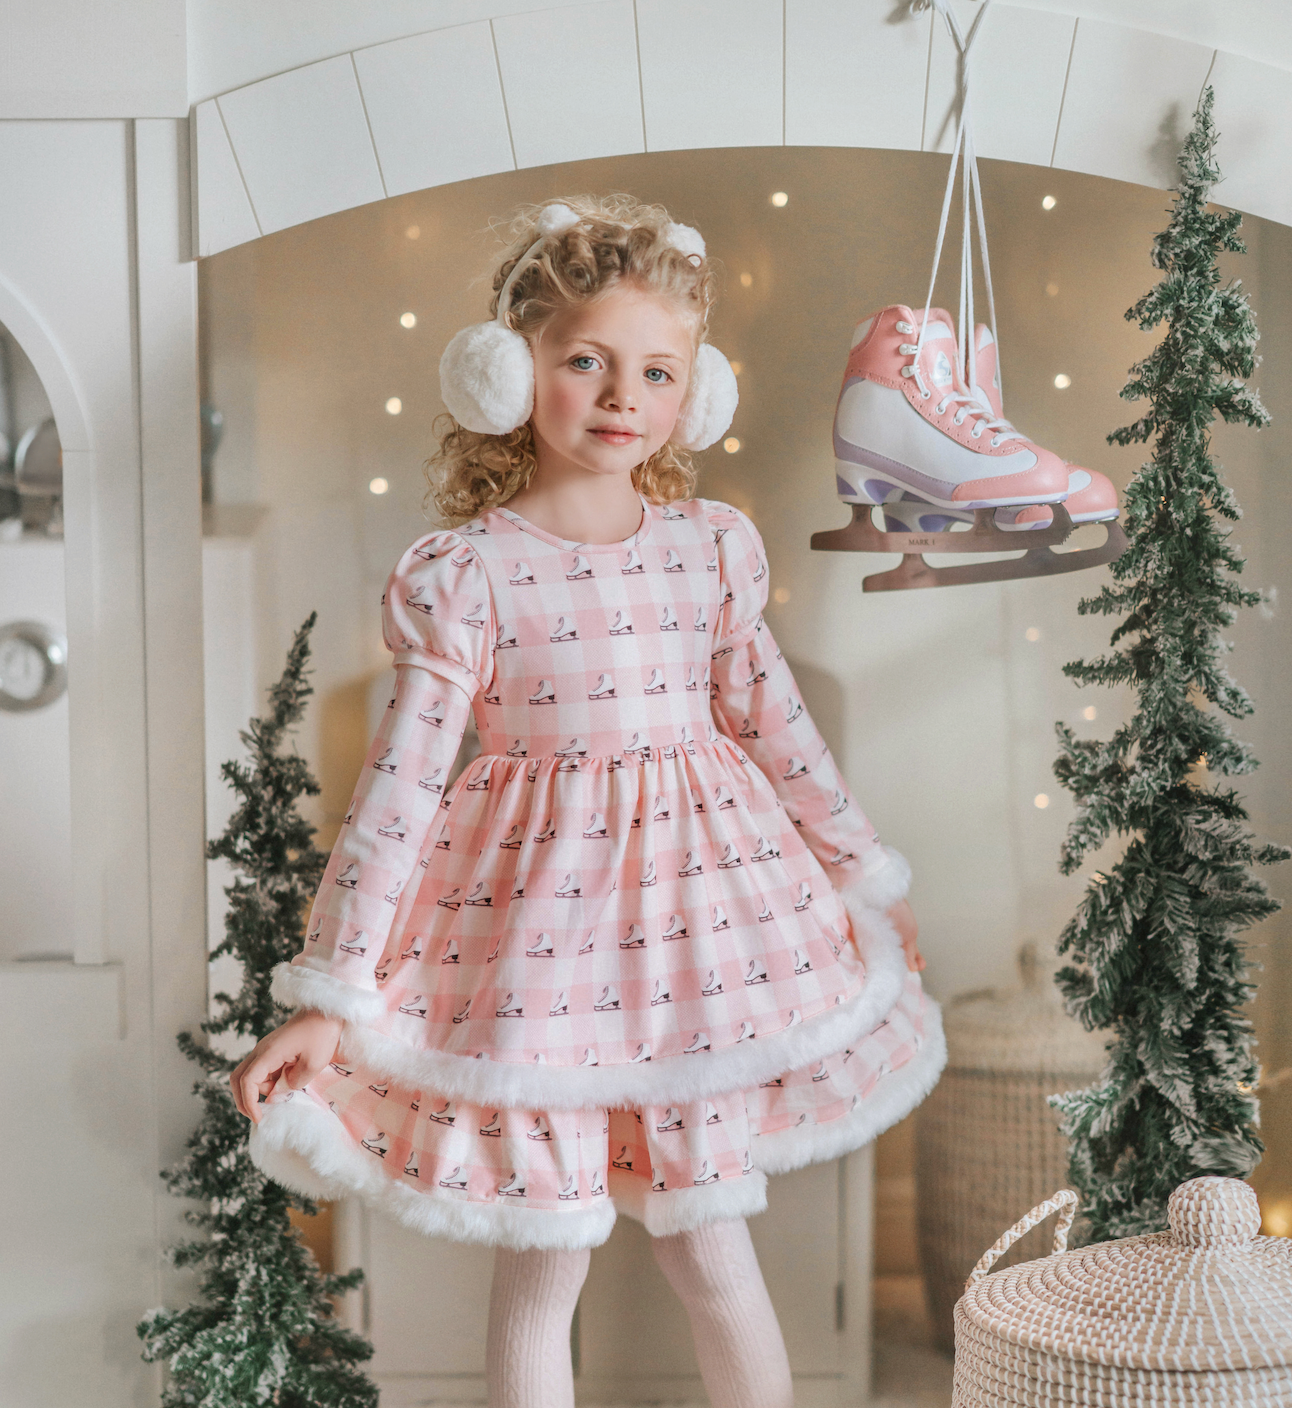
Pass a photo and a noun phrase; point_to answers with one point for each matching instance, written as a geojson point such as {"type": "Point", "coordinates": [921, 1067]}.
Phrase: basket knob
{"type": "Point", "coordinates": [1214, 1212]}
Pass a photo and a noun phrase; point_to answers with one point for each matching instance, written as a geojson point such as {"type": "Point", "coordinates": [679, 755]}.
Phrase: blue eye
{"type": "Point", "coordinates": [658, 375]}
{"type": "Point", "coordinates": [583, 364]}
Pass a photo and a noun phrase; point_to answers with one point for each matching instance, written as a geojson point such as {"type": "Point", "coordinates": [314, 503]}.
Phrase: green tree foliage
{"type": "Point", "coordinates": [1155, 951]}
{"type": "Point", "coordinates": [265, 1330]}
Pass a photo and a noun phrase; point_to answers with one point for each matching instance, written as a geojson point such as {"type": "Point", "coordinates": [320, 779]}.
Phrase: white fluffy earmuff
{"type": "Point", "coordinates": [487, 370]}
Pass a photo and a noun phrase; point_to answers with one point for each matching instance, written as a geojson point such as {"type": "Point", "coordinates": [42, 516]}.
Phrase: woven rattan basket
{"type": "Point", "coordinates": [987, 1142]}
{"type": "Point", "coordinates": [1199, 1315]}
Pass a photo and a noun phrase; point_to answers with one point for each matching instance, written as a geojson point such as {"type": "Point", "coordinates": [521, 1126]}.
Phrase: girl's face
{"type": "Point", "coordinates": [609, 379]}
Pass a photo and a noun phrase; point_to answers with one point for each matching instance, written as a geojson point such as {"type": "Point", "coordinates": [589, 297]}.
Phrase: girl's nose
{"type": "Point", "coordinates": [619, 395]}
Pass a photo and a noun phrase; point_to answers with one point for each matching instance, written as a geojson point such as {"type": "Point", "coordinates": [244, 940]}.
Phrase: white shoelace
{"type": "Point", "coordinates": [976, 401]}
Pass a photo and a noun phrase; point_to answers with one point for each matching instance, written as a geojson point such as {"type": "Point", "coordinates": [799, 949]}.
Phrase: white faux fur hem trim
{"type": "Point", "coordinates": [896, 1095]}
{"type": "Point", "coordinates": [303, 1147]}
{"type": "Point", "coordinates": [682, 1209]}
{"type": "Point", "coordinates": [673, 1078]}
{"type": "Point", "coordinates": [303, 985]}
{"type": "Point", "coordinates": [884, 887]}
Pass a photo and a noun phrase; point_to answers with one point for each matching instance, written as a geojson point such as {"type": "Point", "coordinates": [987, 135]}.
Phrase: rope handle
{"type": "Point", "coordinates": [1063, 1202]}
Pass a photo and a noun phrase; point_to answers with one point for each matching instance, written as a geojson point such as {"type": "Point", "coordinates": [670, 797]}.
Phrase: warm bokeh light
{"type": "Point", "coordinates": [378, 485]}
{"type": "Point", "coordinates": [781, 595]}
{"type": "Point", "coordinates": [737, 368]}
{"type": "Point", "coordinates": [1048, 202]}
{"type": "Point", "coordinates": [413, 232]}
{"type": "Point", "coordinates": [779, 198]}
{"type": "Point", "coordinates": [1040, 801]}
{"type": "Point", "coordinates": [746, 280]}
{"type": "Point", "coordinates": [1089, 712]}
{"type": "Point", "coordinates": [1033, 633]}
{"type": "Point", "coordinates": [408, 320]}
{"type": "Point", "coordinates": [1277, 1219]}
{"type": "Point", "coordinates": [731, 444]}
{"type": "Point", "coordinates": [1051, 290]}
{"type": "Point", "coordinates": [394, 406]}
{"type": "Point", "coordinates": [1063, 381]}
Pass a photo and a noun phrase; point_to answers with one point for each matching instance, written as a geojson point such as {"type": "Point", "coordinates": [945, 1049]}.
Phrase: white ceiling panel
{"type": "Point", "coordinates": [711, 73]}
{"type": "Point", "coordinates": [572, 84]}
{"type": "Point", "coordinates": [1129, 101]}
{"type": "Point", "coordinates": [850, 82]}
{"type": "Point", "coordinates": [1254, 117]}
{"type": "Point", "coordinates": [224, 214]}
{"type": "Point", "coordinates": [1020, 60]}
{"type": "Point", "coordinates": [435, 106]}
{"type": "Point", "coordinates": [303, 143]}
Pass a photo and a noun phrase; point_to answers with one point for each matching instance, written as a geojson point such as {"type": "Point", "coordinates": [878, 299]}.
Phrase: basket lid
{"type": "Point", "coordinates": [1209, 1294]}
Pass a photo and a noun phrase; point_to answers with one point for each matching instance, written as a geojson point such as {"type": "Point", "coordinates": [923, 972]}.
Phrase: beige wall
{"type": "Point", "coordinates": [939, 708]}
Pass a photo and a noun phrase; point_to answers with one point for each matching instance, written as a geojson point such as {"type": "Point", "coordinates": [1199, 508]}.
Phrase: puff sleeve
{"type": "Point", "coordinates": [437, 622]}
{"type": "Point", "coordinates": [757, 704]}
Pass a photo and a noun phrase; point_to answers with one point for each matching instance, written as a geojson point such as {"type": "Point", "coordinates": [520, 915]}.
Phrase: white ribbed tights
{"type": "Point", "coordinates": [715, 1273]}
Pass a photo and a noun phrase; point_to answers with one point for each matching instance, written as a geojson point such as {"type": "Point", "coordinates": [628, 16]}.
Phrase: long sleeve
{"type": "Point", "coordinates": [430, 610]}
{"type": "Point", "coordinates": [757, 703]}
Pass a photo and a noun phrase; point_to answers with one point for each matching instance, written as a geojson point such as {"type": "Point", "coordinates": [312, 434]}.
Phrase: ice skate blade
{"type": "Point", "coordinates": [861, 535]}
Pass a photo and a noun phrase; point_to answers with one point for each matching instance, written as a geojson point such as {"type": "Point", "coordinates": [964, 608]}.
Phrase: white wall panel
{"type": "Point", "coordinates": [303, 144]}
{"type": "Point", "coordinates": [1254, 116]}
{"type": "Point", "coordinates": [572, 84]}
{"type": "Point", "coordinates": [850, 82]}
{"type": "Point", "coordinates": [436, 108]}
{"type": "Point", "coordinates": [223, 215]}
{"type": "Point", "coordinates": [1129, 100]}
{"type": "Point", "coordinates": [711, 73]}
{"type": "Point", "coordinates": [1020, 60]}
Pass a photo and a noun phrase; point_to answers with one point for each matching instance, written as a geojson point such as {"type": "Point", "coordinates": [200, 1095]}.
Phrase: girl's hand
{"type": "Point", "coordinates": [903, 920]}
{"type": "Point", "coordinates": [293, 1053]}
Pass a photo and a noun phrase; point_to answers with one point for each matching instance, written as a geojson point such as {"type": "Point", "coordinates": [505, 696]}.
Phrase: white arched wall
{"type": "Point", "coordinates": [505, 90]}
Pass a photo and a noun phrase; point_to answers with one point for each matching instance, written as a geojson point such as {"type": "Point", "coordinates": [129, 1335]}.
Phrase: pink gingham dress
{"type": "Point", "coordinates": [608, 968]}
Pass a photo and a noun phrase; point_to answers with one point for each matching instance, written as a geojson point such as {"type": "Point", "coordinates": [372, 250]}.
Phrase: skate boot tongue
{"type": "Point", "coordinates": [987, 370]}
{"type": "Point", "coordinates": [940, 355]}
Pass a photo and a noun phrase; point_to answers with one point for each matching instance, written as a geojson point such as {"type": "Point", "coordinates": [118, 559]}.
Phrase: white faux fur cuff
{"type": "Point", "coordinates": [883, 887]}
{"type": "Point", "coordinates": [303, 985]}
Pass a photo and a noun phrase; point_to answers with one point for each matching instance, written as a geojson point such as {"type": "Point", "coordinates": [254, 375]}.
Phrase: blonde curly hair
{"type": "Point", "coordinates": [618, 240]}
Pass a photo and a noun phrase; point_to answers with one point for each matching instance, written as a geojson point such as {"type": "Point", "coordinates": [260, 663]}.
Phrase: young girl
{"type": "Point", "coordinates": [645, 950]}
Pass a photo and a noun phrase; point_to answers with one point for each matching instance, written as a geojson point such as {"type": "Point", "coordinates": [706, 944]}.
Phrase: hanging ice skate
{"type": "Point", "coordinates": [919, 429]}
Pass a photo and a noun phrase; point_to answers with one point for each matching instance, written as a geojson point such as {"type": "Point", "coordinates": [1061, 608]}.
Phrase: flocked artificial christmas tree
{"type": "Point", "coordinates": [1158, 957]}
{"type": "Point", "coordinates": [265, 1331]}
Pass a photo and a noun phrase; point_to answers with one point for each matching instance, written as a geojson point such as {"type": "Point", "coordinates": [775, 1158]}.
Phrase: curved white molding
{"type": "Point", "coordinates": [1092, 86]}
{"type": "Point", "coordinates": [51, 365]}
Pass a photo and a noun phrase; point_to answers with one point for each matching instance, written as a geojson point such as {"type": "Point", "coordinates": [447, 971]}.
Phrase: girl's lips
{"type": "Point", "coordinates": [616, 437]}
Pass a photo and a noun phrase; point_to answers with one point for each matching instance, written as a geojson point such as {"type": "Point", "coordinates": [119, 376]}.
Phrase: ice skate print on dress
{"type": "Point", "coordinates": [476, 617]}
{"type": "Point", "coordinates": [387, 761]}
{"type": "Point", "coordinates": [358, 944]}
{"type": "Point", "coordinates": [521, 575]}
{"type": "Point", "coordinates": [510, 1008]}
{"type": "Point", "coordinates": [672, 562]}
{"type": "Point", "coordinates": [801, 964]}
{"type": "Point", "coordinates": [720, 920]}
{"type": "Point", "coordinates": [569, 888]}
{"type": "Point", "coordinates": [433, 714]}
{"type": "Point", "coordinates": [713, 985]}
{"type": "Point", "coordinates": [564, 629]}
{"type": "Point", "coordinates": [541, 947]}
{"type": "Point", "coordinates": [497, 943]}
{"type": "Point", "coordinates": [569, 1189]}
{"type": "Point", "coordinates": [561, 1007]}
{"type": "Point", "coordinates": [660, 994]}
{"type": "Point", "coordinates": [660, 812]}
{"type": "Point", "coordinates": [392, 895]}
{"type": "Point", "coordinates": [573, 764]}
{"type": "Point", "coordinates": [596, 1188]}
{"type": "Point", "coordinates": [729, 858]}
{"type": "Point", "coordinates": [511, 841]}
{"type": "Point", "coordinates": [795, 767]}
{"type": "Point", "coordinates": [793, 708]}
{"type": "Point", "coordinates": [697, 802]}
{"type": "Point", "coordinates": [531, 770]}
{"type": "Point", "coordinates": [410, 1168]}
{"type": "Point", "coordinates": [690, 684]}
{"type": "Point", "coordinates": [513, 1188]}
{"type": "Point", "coordinates": [819, 1071]}
{"type": "Point", "coordinates": [596, 827]}
{"type": "Point", "coordinates": [706, 1174]}
{"type": "Point", "coordinates": [348, 877]}
{"type": "Point", "coordinates": [635, 938]}
{"type": "Point", "coordinates": [632, 563]}
{"type": "Point", "coordinates": [453, 899]}
{"type": "Point", "coordinates": [480, 894]}
{"type": "Point", "coordinates": [548, 832]}
{"type": "Point", "coordinates": [541, 1129]}
{"type": "Point", "coordinates": [748, 1165]}
{"type": "Point", "coordinates": [494, 1128]}
{"type": "Point", "coordinates": [647, 876]}
{"type": "Point", "coordinates": [747, 1032]}
{"type": "Point", "coordinates": [805, 895]}
{"type": "Point", "coordinates": [504, 637]}
{"type": "Point", "coordinates": [699, 1042]}
{"type": "Point", "coordinates": [579, 569]}
{"type": "Point", "coordinates": [517, 749]}
{"type": "Point", "coordinates": [642, 1053]}
{"type": "Point", "coordinates": [463, 1012]}
{"type": "Point", "coordinates": [376, 1142]}
{"type": "Point", "coordinates": [540, 1059]}
{"type": "Point", "coordinates": [756, 675]}
{"type": "Point", "coordinates": [445, 841]}
{"type": "Point", "coordinates": [433, 781]}
{"type": "Point", "coordinates": [622, 1159]}
{"type": "Point", "coordinates": [672, 1120]}
{"type": "Point", "coordinates": [622, 625]}
{"type": "Point", "coordinates": [383, 1089]}
{"type": "Point", "coordinates": [423, 606]}
{"type": "Point", "coordinates": [414, 1007]}
{"type": "Point", "coordinates": [723, 797]}
{"type": "Point", "coordinates": [657, 1184]}
{"type": "Point", "coordinates": [340, 1069]}
{"type": "Point", "coordinates": [456, 1179]}
{"type": "Point", "coordinates": [312, 936]}
{"type": "Point", "coordinates": [840, 803]}
{"type": "Point", "coordinates": [603, 689]}
{"type": "Point", "coordinates": [543, 694]}
{"type": "Point", "coordinates": [676, 928]}
{"type": "Point", "coordinates": [764, 850]}
{"type": "Point", "coordinates": [608, 1001]}
{"type": "Point", "coordinates": [668, 619]}
{"type": "Point", "coordinates": [841, 857]}
{"type": "Point", "coordinates": [690, 866]}
{"type": "Point", "coordinates": [446, 1114]}
{"type": "Point", "coordinates": [794, 1018]}
{"type": "Point", "coordinates": [775, 1083]}
{"type": "Point", "coordinates": [589, 1057]}
{"type": "Point", "coordinates": [755, 973]}
{"type": "Point", "coordinates": [480, 782]}
{"type": "Point", "coordinates": [396, 830]}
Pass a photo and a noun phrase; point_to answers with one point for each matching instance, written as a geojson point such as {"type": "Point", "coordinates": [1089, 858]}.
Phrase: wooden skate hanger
{"type": "Point", "coordinates": [1038, 559]}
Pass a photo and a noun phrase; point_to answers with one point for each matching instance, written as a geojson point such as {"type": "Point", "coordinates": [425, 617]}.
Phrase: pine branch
{"type": "Point", "coordinates": [265, 1329]}
{"type": "Point", "coordinates": [1155, 949]}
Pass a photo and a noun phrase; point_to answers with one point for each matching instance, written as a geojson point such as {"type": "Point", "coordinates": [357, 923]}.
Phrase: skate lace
{"type": "Point", "coordinates": [968, 404]}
